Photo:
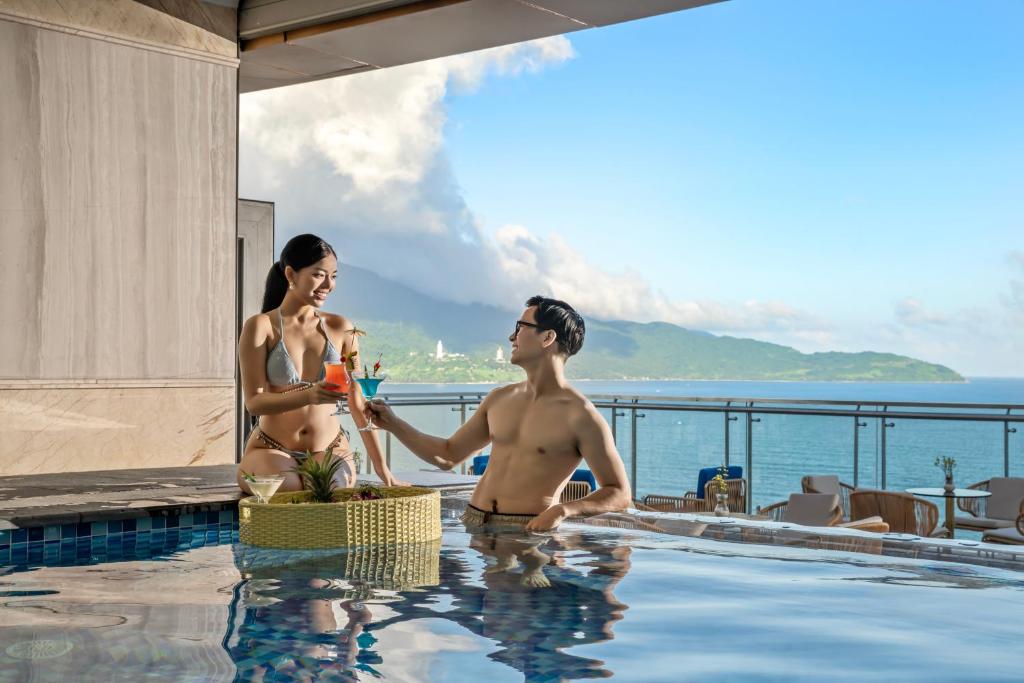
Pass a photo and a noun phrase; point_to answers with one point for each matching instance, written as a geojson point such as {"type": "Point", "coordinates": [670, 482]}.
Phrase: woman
{"type": "Point", "coordinates": [281, 354]}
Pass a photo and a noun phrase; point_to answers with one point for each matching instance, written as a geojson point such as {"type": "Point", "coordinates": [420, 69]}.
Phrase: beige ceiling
{"type": "Point", "coordinates": [284, 42]}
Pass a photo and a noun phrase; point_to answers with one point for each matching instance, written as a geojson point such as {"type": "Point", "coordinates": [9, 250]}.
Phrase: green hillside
{"type": "Point", "coordinates": [405, 326]}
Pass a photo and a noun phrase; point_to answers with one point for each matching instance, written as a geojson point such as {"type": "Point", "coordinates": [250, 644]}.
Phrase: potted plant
{"type": "Point", "coordinates": [947, 465]}
{"type": "Point", "coordinates": [325, 516]}
{"type": "Point", "coordinates": [721, 489]}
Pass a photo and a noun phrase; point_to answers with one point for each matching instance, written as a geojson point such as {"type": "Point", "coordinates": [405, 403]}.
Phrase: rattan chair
{"type": "Point", "coordinates": [737, 500]}
{"type": "Point", "coordinates": [998, 511]}
{"type": "Point", "coordinates": [819, 509]}
{"type": "Point", "coordinates": [1010, 536]}
{"type": "Point", "coordinates": [901, 511]}
{"type": "Point", "coordinates": [575, 490]}
{"type": "Point", "coordinates": [829, 483]}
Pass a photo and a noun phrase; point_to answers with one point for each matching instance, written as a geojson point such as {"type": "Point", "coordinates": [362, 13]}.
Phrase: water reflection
{"type": "Point", "coordinates": [526, 598]}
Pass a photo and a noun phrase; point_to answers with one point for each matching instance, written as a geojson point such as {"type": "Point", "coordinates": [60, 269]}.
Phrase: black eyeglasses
{"type": "Point", "coordinates": [523, 323]}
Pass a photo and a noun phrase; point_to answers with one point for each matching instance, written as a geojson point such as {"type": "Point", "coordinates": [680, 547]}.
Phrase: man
{"type": "Point", "coordinates": [539, 430]}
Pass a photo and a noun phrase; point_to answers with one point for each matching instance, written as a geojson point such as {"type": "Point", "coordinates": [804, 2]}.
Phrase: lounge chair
{"type": "Point", "coordinates": [901, 511]}
{"type": "Point", "coordinates": [574, 490]}
{"type": "Point", "coordinates": [998, 511]}
{"type": "Point", "coordinates": [829, 483]}
{"type": "Point", "coordinates": [1009, 536]}
{"type": "Point", "coordinates": [737, 500]}
{"type": "Point", "coordinates": [819, 509]}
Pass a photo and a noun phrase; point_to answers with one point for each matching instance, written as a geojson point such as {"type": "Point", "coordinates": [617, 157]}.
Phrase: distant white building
{"type": "Point", "coordinates": [439, 354]}
{"type": "Point", "coordinates": [499, 355]}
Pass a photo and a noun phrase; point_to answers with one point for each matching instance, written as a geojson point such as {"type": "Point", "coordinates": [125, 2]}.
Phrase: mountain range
{"type": "Point", "coordinates": [405, 325]}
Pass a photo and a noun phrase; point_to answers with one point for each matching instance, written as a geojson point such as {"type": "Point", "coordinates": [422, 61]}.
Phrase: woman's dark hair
{"type": "Point", "coordinates": [563, 320]}
{"type": "Point", "coordinates": [301, 252]}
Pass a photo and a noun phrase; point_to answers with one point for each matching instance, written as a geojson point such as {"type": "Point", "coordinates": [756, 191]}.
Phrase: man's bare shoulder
{"type": "Point", "coordinates": [500, 394]}
{"type": "Point", "coordinates": [581, 412]}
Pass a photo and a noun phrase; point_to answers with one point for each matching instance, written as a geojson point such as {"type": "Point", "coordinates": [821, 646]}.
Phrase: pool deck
{"type": "Point", "coordinates": [36, 500]}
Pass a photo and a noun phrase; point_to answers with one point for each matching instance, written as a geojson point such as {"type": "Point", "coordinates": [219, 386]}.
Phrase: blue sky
{"type": "Point", "coordinates": [837, 156]}
{"type": "Point", "coordinates": [831, 176]}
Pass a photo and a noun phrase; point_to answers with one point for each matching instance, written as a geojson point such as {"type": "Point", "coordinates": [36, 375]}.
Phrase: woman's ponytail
{"type": "Point", "coordinates": [276, 287]}
{"type": "Point", "coordinates": [301, 252]}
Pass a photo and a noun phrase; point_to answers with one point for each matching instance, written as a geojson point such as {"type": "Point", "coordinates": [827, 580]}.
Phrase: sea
{"type": "Point", "coordinates": [671, 446]}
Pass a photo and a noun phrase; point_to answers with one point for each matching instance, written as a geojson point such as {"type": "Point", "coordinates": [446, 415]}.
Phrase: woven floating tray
{"type": "Point", "coordinates": [354, 571]}
{"type": "Point", "coordinates": [406, 514]}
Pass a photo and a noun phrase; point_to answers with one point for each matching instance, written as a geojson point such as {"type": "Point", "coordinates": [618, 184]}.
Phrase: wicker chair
{"type": "Point", "coordinates": [901, 511]}
{"type": "Point", "coordinates": [998, 511]}
{"type": "Point", "coordinates": [575, 490]}
{"type": "Point", "coordinates": [1011, 536]}
{"type": "Point", "coordinates": [819, 509]}
{"type": "Point", "coordinates": [829, 483]}
{"type": "Point", "coordinates": [737, 500]}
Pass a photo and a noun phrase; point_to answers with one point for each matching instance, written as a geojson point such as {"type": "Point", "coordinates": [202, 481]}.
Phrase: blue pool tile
{"type": "Point", "coordinates": [51, 533]}
{"type": "Point", "coordinates": [19, 536]}
{"type": "Point", "coordinates": [128, 525]}
{"type": "Point", "coordinates": [5, 556]}
{"type": "Point", "coordinates": [114, 526]}
{"type": "Point", "coordinates": [225, 516]}
{"type": "Point", "coordinates": [68, 530]}
{"type": "Point", "coordinates": [144, 524]}
{"type": "Point", "coordinates": [5, 537]}
{"type": "Point", "coordinates": [99, 528]}
{"type": "Point", "coordinates": [84, 529]}
{"type": "Point", "coordinates": [35, 534]}
{"type": "Point", "coordinates": [185, 521]}
{"type": "Point", "coordinates": [55, 542]}
{"type": "Point", "coordinates": [213, 517]}
{"type": "Point", "coordinates": [158, 522]}
{"type": "Point", "coordinates": [19, 554]}
{"type": "Point", "coordinates": [172, 521]}
{"type": "Point", "coordinates": [35, 553]}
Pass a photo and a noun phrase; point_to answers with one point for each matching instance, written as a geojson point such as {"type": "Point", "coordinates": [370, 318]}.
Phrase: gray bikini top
{"type": "Point", "coordinates": [281, 369]}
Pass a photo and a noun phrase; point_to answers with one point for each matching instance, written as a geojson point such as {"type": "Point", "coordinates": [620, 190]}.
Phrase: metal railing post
{"type": "Point", "coordinates": [634, 455]}
{"type": "Point", "coordinates": [750, 457]}
{"type": "Point", "coordinates": [885, 465]}
{"type": "Point", "coordinates": [857, 425]}
{"type": "Point", "coordinates": [728, 419]}
{"type": "Point", "coordinates": [1007, 430]}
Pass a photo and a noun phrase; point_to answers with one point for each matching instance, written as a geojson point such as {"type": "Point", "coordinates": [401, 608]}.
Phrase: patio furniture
{"type": "Point", "coordinates": [996, 512]}
{"type": "Point", "coordinates": [829, 483]}
{"type": "Point", "coordinates": [1010, 536]}
{"type": "Point", "coordinates": [949, 497]}
{"type": "Point", "coordinates": [901, 511]}
{"type": "Point", "coordinates": [574, 490]}
{"type": "Point", "coordinates": [819, 509]}
{"type": "Point", "coordinates": [706, 474]}
{"type": "Point", "coordinates": [735, 488]}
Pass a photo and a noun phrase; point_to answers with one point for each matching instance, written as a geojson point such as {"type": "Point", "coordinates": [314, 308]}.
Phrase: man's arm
{"type": "Point", "coordinates": [439, 452]}
{"type": "Point", "coordinates": [597, 446]}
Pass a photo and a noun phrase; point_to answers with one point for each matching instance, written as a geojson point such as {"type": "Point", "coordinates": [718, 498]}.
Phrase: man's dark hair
{"type": "Point", "coordinates": [563, 320]}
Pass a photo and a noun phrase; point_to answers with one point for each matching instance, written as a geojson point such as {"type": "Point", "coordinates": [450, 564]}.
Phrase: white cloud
{"type": "Point", "coordinates": [912, 313]}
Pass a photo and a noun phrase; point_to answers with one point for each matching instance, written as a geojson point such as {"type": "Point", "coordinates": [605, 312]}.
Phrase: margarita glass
{"type": "Point", "coordinates": [336, 379]}
{"type": "Point", "coordinates": [369, 383]}
{"type": "Point", "coordinates": [264, 485]}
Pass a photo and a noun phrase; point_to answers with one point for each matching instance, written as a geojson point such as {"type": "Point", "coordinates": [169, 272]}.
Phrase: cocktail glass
{"type": "Point", "coordinates": [369, 384]}
{"type": "Point", "coordinates": [265, 485]}
{"type": "Point", "coordinates": [336, 379]}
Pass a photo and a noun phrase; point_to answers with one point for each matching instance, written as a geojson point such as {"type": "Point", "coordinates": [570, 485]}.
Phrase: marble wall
{"type": "Point", "coordinates": [117, 243]}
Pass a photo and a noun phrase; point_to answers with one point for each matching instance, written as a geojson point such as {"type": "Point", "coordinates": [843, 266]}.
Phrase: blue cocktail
{"type": "Point", "coordinates": [369, 384]}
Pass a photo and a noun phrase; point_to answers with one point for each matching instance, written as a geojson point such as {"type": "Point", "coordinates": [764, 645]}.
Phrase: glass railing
{"type": "Point", "coordinates": [663, 442]}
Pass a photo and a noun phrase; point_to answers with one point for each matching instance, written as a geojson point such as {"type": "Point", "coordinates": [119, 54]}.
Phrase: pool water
{"type": "Point", "coordinates": [582, 603]}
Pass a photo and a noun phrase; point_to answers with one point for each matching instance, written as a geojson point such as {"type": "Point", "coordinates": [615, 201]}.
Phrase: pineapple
{"type": "Point", "coordinates": [318, 476]}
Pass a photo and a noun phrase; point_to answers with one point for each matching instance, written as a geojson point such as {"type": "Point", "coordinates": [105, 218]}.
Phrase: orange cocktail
{"type": "Point", "coordinates": [336, 377]}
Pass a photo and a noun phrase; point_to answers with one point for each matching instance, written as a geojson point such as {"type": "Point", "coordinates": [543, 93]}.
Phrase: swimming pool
{"type": "Point", "coordinates": [583, 603]}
